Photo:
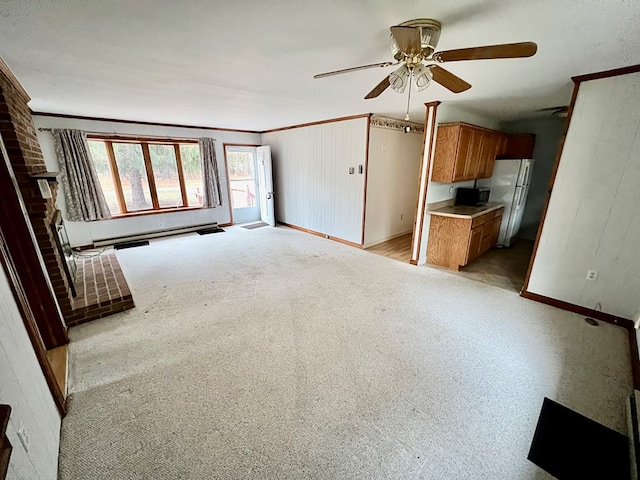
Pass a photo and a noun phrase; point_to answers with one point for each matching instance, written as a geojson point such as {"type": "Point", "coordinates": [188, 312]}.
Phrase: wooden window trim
{"type": "Point", "coordinates": [116, 177]}
{"type": "Point", "coordinates": [183, 187]}
{"type": "Point", "coordinates": [144, 142]}
{"type": "Point", "coordinates": [151, 179]}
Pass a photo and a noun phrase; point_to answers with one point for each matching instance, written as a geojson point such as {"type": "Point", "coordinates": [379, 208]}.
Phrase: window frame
{"type": "Point", "coordinates": [144, 142]}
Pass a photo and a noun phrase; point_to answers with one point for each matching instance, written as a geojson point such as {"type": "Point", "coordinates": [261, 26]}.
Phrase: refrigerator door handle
{"type": "Point", "coordinates": [525, 177]}
{"type": "Point", "coordinates": [519, 196]}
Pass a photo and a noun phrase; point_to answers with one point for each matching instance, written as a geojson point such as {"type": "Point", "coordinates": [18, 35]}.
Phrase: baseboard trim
{"type": "Point", "coordinates": [318, 234]}
{"type": "Point", "coordinates": [588, 312]}
{"type": "Point", "coordinates": [635, 357]}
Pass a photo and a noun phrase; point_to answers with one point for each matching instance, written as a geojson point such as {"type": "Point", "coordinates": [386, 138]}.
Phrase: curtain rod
{"type": "Point", "coordinates": [131, 136]}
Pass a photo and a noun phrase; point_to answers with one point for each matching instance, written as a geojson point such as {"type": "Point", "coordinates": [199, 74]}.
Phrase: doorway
{"type": "Point", "coordinates": [243, 182]}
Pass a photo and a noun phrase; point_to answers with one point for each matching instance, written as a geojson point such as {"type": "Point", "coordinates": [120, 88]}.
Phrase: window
{"type": "Point", "coordinates": [143, 175]}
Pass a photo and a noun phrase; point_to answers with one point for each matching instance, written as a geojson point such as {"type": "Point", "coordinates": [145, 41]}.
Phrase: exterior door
{"type": "Point", "coordinates": [243, 183]}
{"type": "Point", "coordinates": [265, 186]}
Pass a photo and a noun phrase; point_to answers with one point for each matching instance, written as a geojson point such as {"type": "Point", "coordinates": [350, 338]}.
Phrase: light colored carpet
{"type": "Point", "coordinates": [276, 354]}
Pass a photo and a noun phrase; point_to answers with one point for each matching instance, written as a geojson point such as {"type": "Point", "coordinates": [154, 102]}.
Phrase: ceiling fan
{"type": "Point", "coordinates": [414, 42]}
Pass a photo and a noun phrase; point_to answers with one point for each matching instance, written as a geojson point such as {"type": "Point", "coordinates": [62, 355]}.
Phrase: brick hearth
{"type": "Point", "coordinates": [101, 289]}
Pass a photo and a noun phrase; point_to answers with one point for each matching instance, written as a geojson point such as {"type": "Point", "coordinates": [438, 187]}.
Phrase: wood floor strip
{"type": "Point", "coordinates": [397, 248]}
{"type": "Point", "coordinates": [58, 359]}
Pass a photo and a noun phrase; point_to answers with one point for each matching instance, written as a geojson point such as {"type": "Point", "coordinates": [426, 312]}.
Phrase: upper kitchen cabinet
{"type": "Point", "coordinates": [518, 145]}
{"type": "Point", "coordinates": [464, 152]}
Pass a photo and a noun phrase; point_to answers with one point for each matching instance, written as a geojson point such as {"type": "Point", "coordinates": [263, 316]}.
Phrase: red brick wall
{"type": "Point", "coordinates": [20, 139]}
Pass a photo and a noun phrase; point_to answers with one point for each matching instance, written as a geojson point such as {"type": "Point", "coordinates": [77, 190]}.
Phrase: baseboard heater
{"type": "Point", "coordinates": [633, 404]}
{"type": "Point", "coordinates": [153, 234]}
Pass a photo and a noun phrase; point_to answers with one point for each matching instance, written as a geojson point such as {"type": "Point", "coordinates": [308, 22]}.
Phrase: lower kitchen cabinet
{"type": "Point", "coordinates": [456, 241]}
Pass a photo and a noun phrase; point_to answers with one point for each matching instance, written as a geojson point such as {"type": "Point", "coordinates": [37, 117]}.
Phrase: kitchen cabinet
{"type": "Point", "coordinates": [464, 152]}
{"type": "Point", "coordinates": [518, 145]}
{"type": "Point", "coordinates": [457, 240]}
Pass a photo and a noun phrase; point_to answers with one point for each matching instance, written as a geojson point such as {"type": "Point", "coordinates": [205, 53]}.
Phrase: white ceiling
{"type": "Point", "coordinates": [249, 64]}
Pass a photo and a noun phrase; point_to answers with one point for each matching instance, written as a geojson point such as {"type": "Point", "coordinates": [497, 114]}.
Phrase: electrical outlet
{"type": "Point", "coordinates": [451, 189]}
{"type": "Point", "coordinates": [592, 275]}
{"type": "Point", "coordinates": [24, 437]}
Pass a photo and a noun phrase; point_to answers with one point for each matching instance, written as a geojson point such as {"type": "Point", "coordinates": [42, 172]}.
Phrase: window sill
{"type": "Point", "coordinates": [144, 213]}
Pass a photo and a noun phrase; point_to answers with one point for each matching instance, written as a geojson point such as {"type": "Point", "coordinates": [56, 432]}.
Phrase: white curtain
{"type": "Point", "coordinates": [210, 177]}
{"type": "Point", "coordinates": [82, 191]}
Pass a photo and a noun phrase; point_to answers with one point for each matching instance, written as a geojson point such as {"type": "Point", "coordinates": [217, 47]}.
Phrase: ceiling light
{"type": "Point", "coordinates": [423, 77]}
{"type": "Point", "coordinates": [399, 79]}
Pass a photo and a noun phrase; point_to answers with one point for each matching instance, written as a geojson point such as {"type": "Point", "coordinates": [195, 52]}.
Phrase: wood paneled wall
{"type": "Point", "coordinates": [392, 180]}
{"type": "Point", "coordinates": [23, 386]}
{"type": "Point", "coordinates": [593, 220]}
{"type": "Point", "coordinates": [314, 189]}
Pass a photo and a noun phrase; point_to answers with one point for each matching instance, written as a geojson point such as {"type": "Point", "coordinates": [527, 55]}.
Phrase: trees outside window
{"type": "Point", "coordinates": [141, 175]}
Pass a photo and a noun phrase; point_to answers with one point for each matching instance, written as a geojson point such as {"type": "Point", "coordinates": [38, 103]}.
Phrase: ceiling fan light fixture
{"type": "Point", "coordinates": [399, 78]}
{"type": "Point", "coordinates": [423, 77]}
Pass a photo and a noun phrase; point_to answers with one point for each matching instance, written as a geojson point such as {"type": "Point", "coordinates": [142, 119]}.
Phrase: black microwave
{"type": "Point", "coordinates": [472, 196]}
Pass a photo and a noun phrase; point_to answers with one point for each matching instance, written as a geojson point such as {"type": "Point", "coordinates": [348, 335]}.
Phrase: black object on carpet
{"type": "Point", "coordinates": [138, 243]}
{"type": "Point", "coordinates": [207, 231]}
{"type": "Point", "coordinates": [570, 446]}
{"type": "Point", "coordinates": [255, 225]}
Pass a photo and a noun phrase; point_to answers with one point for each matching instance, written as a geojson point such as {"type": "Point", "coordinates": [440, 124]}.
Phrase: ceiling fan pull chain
{"type": "Point", "coordinates": [406, 117]}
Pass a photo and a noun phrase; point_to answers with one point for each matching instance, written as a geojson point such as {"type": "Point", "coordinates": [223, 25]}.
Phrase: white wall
{"type": "Point", "coordinates": [84, 233]}
{"type": "Point", "coordinates": [392, 184]}
{"type": "Point", "coordinates": [593, 220]}
{"type": "Point", "coordinates": [438, 192]}
{"type": "Point", "coordinates": [313, 187]}
{"type": "Point", "coordinates": [23, 386]}
{"type": "Point", "coordinates": [548, 131]}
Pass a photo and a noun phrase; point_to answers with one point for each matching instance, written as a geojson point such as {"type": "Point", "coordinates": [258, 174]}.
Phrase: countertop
{"type": "Point", "coordinates": [461, 211]}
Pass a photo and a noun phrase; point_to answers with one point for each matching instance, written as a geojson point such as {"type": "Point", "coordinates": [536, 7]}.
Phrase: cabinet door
{"type": "Point", "coordinates": [446, 151]}
{"type": "Point", "coordinates": [465, 140]}
{"type": "Point", "coordinates": [520, 145]}
{"type": "Point", "coordinates": [501, 147]}
{"type": "Point", "coordinates": [475, 243]}
{"type": "Point", "coordinates": [490, 231]}
{"type": "Point", "coordinates": [487, 155]}
{"type": "Point", "coordinates": [472, 163]}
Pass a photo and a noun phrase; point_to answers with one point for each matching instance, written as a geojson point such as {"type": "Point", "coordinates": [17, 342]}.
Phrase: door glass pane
{"type": "Point", "coordinates": [190, 156]}
{"type": "Point", "coordinates": [242, 178]}
{"type": "Point", "coordinates": [165, 174]}
{"type": "Point", "coordinates": [100, 158]}
{"type": "Point", "coordinates": [133, 176]}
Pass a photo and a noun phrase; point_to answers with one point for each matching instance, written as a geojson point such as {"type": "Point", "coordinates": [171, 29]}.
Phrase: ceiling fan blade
{"type": "Point", "coordinates": [408, 39]}
{"type": "Point", "coordinates": [448, 80]}
{"type": "Point", "coordinates": [378, 89]}
{"type": "Point", "coordinates": [354, 69]}
{"type": "Point", "coordinates": [506, 50]}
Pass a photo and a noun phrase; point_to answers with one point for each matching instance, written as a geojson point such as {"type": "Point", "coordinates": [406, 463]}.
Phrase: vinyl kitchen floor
{"type": "Point", "coordinates": [502, 267]}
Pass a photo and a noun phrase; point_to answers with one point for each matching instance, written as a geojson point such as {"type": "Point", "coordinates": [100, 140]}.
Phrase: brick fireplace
{"type": "Point", "coordinates": [23, 149]}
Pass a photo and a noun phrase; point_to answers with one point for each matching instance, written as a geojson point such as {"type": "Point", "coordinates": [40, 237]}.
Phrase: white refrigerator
{"type": "Point", "coordinates": [509, 185]}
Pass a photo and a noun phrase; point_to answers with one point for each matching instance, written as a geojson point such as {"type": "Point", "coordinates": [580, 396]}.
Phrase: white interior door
{"type": "Point", "coordinates": [265, 182]}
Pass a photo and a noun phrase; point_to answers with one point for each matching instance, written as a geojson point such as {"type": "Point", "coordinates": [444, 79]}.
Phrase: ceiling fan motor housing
{"type": "Point", "coordinates": [429, 36]}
